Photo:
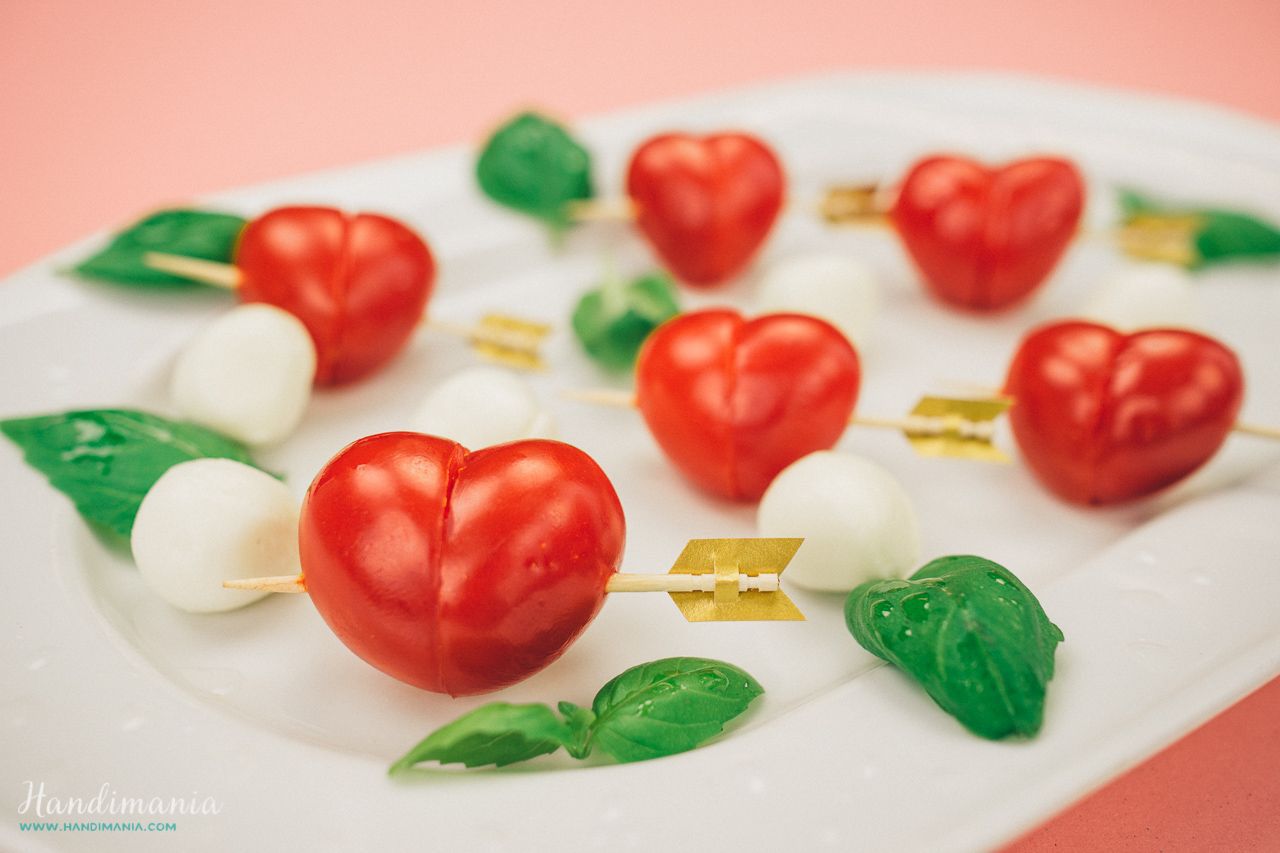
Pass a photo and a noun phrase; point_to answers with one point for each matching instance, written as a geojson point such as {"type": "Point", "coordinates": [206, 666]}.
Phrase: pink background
{"type": "Point", "coordinates": [110, 108]}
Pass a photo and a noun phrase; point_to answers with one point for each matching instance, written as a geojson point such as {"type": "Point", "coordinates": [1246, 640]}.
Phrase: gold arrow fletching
{"type": "Point", "coordinates": [956, 428]}
{"type": "Point", "coordinates": [728, 560]}
{"type": "Point", "coordinates": [855, 204]}
{"type": "Point", "coordinates": [510, 341]}
{"type": "Point", "coordinates": [1162, 237]}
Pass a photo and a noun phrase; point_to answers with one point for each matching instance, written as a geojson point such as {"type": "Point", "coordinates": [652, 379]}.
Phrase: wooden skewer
{"type": "Point", "coordinates": [1256, 430]}
{"type": "Point", "coordinates": [507, 340]}
{"type": "Point", "coordinates": [227, 276]}
{"type": "Point", "coordinates": [739, 576]}
{"type": "Point", "coordinates": [924, 426]}
{"type": "Point", "coordinates": [1165, 238]}
{"type": "Point", "coordinates": [276, 583]}
{"type": "Point", "coordinates": [601, 397]}
{"type": "Point", "coordinates": [843, 205]}
{"type": "Point", "coordinates": [765, 582]}
{"type": "Point", "coordinates": [602, 210]}
{"type": "Point", "coordinates": [912, 424]}
{"type": "Point", "coordinates": [214, 273]}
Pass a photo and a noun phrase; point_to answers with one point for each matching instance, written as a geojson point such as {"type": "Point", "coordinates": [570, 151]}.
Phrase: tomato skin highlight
{"type": "Point", "coordinates": [459, 572]}
{"type": "Point", "coordinates": [986, 238]}
{"type": "Point", "coordinates": [359, 282]}
{"type": "Point", "coordinates": [706, 204]}
{"type": "Point", "coordinates": [1104, 417]}
{"type": "Point", "coordinates": [733, 401]}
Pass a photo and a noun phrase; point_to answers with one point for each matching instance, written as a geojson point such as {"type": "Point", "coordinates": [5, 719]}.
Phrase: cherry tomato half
{"type": "Point", "coordinates": [705, 203]}
{"type": "Point", "coordinates": [1103, 417]}
{"type": "Point", "coordinates": [459, 572]}
{"type": "Point", "coordinates": [986, 238]}
{"type": "Point", "coordinates": [358, 282]}
{"type": "Point", "coordinates": [732, 401]}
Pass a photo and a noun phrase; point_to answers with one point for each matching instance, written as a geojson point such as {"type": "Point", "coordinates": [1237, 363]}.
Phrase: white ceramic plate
{"type": "Point", "coordinates": [1167, 606]}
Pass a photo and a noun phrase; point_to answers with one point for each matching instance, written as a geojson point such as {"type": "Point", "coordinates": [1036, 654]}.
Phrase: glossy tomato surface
{"type": "Point", "coordinates": [1104, 417]}
{"type": "Point", "coordinates": [705, 203]}
{"type": "Point", "coordinates": [459, 572]}
{"type": "Point", "coordinates": [359, 282]}
{"type": "Point", "coordinates": [733, 401]}
{"type": "Point", "coordinates": [985, 238]}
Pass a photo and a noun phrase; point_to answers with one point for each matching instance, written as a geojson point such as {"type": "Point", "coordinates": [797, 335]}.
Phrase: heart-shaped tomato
{"type": "Point", "coordinates": [705, 203]}
{"type": "Point", "coordinates": [985, 238]}
{"type": "Point", "coordinates": [359, 283]}
{"type": "Point", "coordinates": [459, 572]}
{"type": "Point", "coordinates": [1103, 417]}
{"type": "Point", "coordinates": [732, 402]}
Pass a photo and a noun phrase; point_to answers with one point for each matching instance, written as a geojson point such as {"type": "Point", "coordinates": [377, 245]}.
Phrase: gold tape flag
{"type": "Point", "coordinates": [956, 428]}
{"type": "Point", "coordinates": [511, 341]}
{"type": "Point", "coordinates": [727, 559]}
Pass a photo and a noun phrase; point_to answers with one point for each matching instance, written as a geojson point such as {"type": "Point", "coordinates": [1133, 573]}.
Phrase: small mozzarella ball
{"type": "Point", "coordinates": [247, 374]}
{"type": "Point", "coordinates": [1145, 296]}
{"type": "Point", "coordinates": [837, 288]}
{"type": "Point", "coordinates": [210, 520]}
{"type": "Point", "coordinates": [857, 522]}
{"type": "Point", "coordinates": [483, 406]}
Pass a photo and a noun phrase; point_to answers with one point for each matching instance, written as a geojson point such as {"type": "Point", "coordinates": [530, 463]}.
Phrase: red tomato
{"type": "Point", "coordinates": [459, 572]}
{"type": "Point", "coordinates": [985, 238]}
{"type": "Point", "coordinates": [732, 402]}
{"type": "Point", "coordinates": [705, 203]}
{"type": "Point", "coordinates": [359, 283]}
{"type": "Point", "coordinates": [1103, 417]}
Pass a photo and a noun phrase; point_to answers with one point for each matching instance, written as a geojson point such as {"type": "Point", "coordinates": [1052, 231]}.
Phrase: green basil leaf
{"type": "Point", "coordinates": [1217, 235]}
{"type": "Point", "coordinates": [498, 733]}
{"type": "Point", "coordinates": [1226, 235]}
{"type": "Point", "coordinates": [970, 633]}
{"type": "Point", "coordinates": [668, 706]}
{"type": "Point", "coordinates": [106, 460]}
{"type": "Point", "coordinates": [193, 233]}
{"type": "Point", "coordinates": [649, 711]}
{"type": "Point", "coordinates": [1133, 203]}
{"type": "Point", "coordinates": [533, 165]}
{"type": "Point", "coordinates": [580, 722]}
{"type": "Point", "coordinates": [613, 322]}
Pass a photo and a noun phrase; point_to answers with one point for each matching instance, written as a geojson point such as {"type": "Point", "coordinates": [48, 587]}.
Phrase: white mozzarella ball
{"type": "Point", "coordinates": [1145, 296]}
{"type": "Point", "coordinates": [837, 288]}
{"type": "Point", "coordinates": [482, 406]}
{"type": "Point", "coordinates": [857, 522]}
{"type": "Point", "coordinates": [210, 520]}
{"type": "Point", "coordinates": [247, 374]}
